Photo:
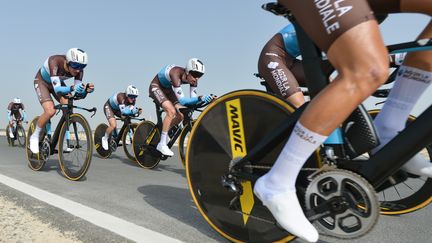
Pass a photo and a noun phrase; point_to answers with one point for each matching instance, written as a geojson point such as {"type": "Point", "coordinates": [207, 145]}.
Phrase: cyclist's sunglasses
{"type": "Point", "coordinates": [77, 66]}
{"type": "Point", "coordinates": [133, 97]}
{"type": "Point", "coordinates": [196, 74]}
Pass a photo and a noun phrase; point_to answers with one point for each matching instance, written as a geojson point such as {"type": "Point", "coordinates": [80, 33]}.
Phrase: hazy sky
{"type": "Point", "coordinates": [129, 41]}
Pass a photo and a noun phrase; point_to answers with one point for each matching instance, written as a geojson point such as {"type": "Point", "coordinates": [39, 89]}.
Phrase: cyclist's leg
{"type": "Point", "coordinates": [351, 26]}
{"type": "Point", "coordinates": [11, 124]}
{"type": "Point", "coordinates": [160, 97]}
{"type": "Point", "coordinates": [413, 78]}
{"type": "Point", "coordinates": [274, 68]}
{"type": "Point", "coordinates": [43, 92]}
{"type": "Point", "coordinates": [110, 116]}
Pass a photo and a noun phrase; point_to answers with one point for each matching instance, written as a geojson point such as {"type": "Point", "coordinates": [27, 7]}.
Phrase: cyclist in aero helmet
{"type": "Point", "coordinates": [346, 29]}
{"type": "Point", "coordinates": [165, 89]}
{"type": "Point", "coordinates": [16, 112]}
{"type": "Point", "coordinates": [49, 81]}
{"type": "Point", "coordinates": [119, 104]}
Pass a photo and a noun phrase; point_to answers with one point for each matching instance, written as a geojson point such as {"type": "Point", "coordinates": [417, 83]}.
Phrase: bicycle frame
{"type": "Point", "coordinates": [381, 165]}
{"type": "Point", "coordinates": [187, 120]}
{"type": "Point", "coordinates": [65, 118]}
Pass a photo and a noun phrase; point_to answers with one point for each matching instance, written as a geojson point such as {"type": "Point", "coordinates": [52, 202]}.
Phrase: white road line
{"type": "Point", "coordinates": [117, 225]}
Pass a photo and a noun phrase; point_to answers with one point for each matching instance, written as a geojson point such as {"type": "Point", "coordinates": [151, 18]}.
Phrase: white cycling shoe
{"type": "Point", "coordinates": [164, 150]}
{"type": "Point", "coordinates": [418, 165]}
{"type": "Point", "coordinates": [287, 211]}
{"type": "Point", "coordinates": [11, 135]}
{"type": "Point", "coordinates": [34, 144]}
{"type": "Point", "coordinates": [105, 143]}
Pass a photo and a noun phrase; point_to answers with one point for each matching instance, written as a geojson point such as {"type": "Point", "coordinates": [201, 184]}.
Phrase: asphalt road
{"type": "Point", "coordinates": [157, 199]}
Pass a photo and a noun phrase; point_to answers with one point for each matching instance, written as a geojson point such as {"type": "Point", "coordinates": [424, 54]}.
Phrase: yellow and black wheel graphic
{"type": "Point", "coordinates": [99, 133]}
{"type": "Point", "coordinates": [226, 130]}
{"type": "Point", "coordinates": [36, 161]}
{"type": "Point", "coordinates": [145, 140]}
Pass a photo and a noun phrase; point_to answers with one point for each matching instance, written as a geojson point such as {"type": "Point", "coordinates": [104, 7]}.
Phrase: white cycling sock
{"type": "Point", "coordinates": [409, 86]}
{"type": "Point", "coordinates": [36, 131]}
{"type": "Point", "coordinates": [276, 189]}
{"type": "Point", "coordinates": [163, 139]}
{"type": "Point", "coordinates": [301, 144]}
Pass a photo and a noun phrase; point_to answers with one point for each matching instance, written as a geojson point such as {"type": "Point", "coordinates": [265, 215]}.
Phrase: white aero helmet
{"type": "Point", "coordinates": [195, 67]}
{"type": "Point", "coordinates": [17, 100]}
{"type": "Point", "coordinates": [132, 91]}
{"type": "Point", "coordinates": [76, 58]}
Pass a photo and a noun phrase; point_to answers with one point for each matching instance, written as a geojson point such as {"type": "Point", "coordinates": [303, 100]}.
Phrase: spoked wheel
{"type": "Point", "coordinates": [21, 136]}
{"type": "Point", "coordinates": [37, 161]}
{"type": "Point", "coordinates": [231, 126]}
{"type": "Point", "coordinates": [184, 138]}
{"type": "Point", "coordinates": [145, 140]}
{"type": "Point", "coordinates": [10, 141]}
{"type": "Point", "coordinates": [409, 194]}
{"type": "Point", "coordinates": [354, 207]}
{"type": "Point", "coordinates": [127, 141]}
{"type": "Point", "coordinates": [99, 133]}
{"type": "Point", "coordinates": [75, 147]}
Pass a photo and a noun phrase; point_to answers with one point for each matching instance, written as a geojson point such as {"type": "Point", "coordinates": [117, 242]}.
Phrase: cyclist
{"type": "Point", "coordinates": [50, 80]}
{"type": "Point", "coordinates": [119, 104]}
{"type": "Point", "coordinates": [15, 113]}
{"type": "Point", "coordinates": [344, 30]}
{"type": "Point", "coordinates": [283, 72]}
{"type": "Point", "coordinates": [165, 89]}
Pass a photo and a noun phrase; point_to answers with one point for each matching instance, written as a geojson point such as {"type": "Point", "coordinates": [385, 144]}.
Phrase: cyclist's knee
{"type": "Point", "coordinates": [365, 80]}
{"type": "Point", "coordinates": [50, 111]}
{"type": "Point", "coordinates": [171, 113]}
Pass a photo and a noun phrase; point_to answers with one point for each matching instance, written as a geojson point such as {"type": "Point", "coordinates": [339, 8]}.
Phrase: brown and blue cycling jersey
{"type": "Point", "coordinates": [278, 65]}
{"type": "Point", "coordinates": [166, 85]}
{"type": "Point", "coordinates": [15, 110]}
{"type": "Point", "coordinates": [50, 78]}
{"type": "Point", "coordinates": [118, 105]}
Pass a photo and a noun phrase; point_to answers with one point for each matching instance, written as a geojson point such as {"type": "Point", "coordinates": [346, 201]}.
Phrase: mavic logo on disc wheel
{"type": "Point", "coordinates": [238, 149]}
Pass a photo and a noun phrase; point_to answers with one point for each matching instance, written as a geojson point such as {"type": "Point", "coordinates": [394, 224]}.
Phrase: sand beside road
{"type": "Point", "coordinates": [19, 225]}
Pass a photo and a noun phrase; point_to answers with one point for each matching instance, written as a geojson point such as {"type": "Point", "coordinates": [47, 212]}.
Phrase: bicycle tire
{"type": "Point", "coordinates": [209, 152]}
{"type": "Point", "coordinates": [35, 161]}
{"type": "Point", "coordinates": [68, 169]}
{"type": "Point", "coordinates": [98, 134]}
{"type": "Point", "coordinates": [418, 199]}
{"type": "Point", "coordinates": [21, 135]}
{"type": "Point", "coordinates": [8, 138]}
{"type": "Point", "coordinates": [128, 148]}
{"type": "Point", "coordinates": [145, 140]}
{"type": "Point", "coordinates": [185, 134]}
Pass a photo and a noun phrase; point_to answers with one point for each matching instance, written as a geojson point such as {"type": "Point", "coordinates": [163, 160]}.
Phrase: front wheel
{"type": "Point", "coordinates": [145, 140]}
{"type": "Point", "coordinates": [75, 147]}
{"type": "Point", "coordinates": [127, 141]}
{"type": "Point", "coordinates": [184, 138]}
{"type": "Point", "coordinates": [21, 136]}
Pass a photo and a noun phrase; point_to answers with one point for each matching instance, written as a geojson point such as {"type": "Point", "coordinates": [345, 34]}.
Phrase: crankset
{"type": "Point", "coordinates": [342, 203]}
{"type": "Point", "coordinates": [45, 150]}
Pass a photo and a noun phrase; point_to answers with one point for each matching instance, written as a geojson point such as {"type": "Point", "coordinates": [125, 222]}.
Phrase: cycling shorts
{"type": "Point", "coordinates": [109, 112]}
{"type": "Point", "coordinates": [44, 90]}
